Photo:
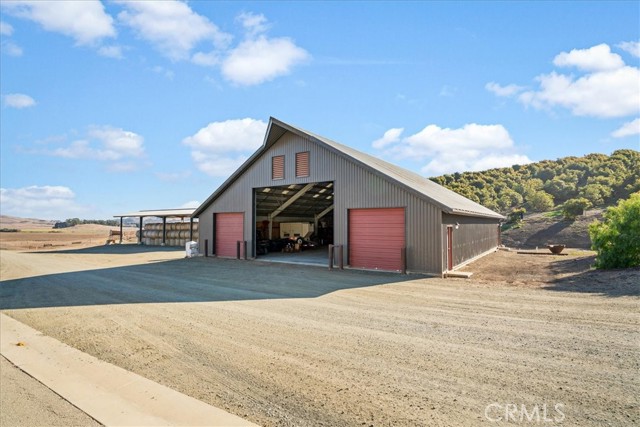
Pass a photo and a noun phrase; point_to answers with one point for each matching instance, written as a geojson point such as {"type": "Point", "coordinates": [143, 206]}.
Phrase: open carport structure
{"type": "Point", "coordinates": [383, 216]}
{"type": "Point", "coordinates": [163, 214]}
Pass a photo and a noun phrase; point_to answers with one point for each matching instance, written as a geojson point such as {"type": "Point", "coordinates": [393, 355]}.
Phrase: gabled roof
{"type": "Point", "coordinates": [449, 201]}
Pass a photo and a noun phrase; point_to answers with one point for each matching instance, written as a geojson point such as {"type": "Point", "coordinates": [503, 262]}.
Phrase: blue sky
{"type": "Point", "coordinates": [110, 107]}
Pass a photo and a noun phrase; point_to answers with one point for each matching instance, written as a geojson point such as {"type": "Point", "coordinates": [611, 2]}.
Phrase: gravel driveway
{"type": "Point", "coordinates": [286, 345]}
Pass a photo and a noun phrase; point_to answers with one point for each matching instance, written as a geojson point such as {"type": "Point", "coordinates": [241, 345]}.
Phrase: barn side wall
{"type": "Point", "coordinates": [354, 187]}
{"type": "Point", "coordinates": [473, 237]}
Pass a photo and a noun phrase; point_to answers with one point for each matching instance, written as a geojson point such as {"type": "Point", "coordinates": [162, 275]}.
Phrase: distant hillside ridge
{"type": "Point", "coordinates": [596, 180]}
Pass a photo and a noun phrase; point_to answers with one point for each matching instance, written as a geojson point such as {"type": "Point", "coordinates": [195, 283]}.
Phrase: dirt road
{"type": "Point", "coordinates": [290, 345]}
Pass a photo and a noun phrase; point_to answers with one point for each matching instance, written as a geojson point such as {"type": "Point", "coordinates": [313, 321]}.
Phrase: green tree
{"type": "Point", "coordinates": [596, 193]}
{"type": "Point", "coordinates": [601, 179]}
{"type": "Point", "coordinates": [545, 174]}
{"type": "Point", "coordinates": [575, 207]}
{"type": "Point", "coordinates": [633, 186]}
{"type": "Point", "coordinates": [509, 199]}
{"type": "Point", "coordinates": [73, 221]}
{"type": "Point", "coordinates": [559, 189]}
{"type": "Point", "coordinates": [617, 238]}
{"type": "Point", "coordinates": [539, 201]}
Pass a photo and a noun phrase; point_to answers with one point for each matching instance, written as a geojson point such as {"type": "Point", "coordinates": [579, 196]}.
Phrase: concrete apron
{"type": "Point", "coordinates": [111, 395]}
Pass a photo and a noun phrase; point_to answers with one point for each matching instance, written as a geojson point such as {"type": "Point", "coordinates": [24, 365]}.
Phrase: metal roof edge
{"type": "Point", "coordinates": [477, 214]}
{"type": "Point", "coordinates": [336, 148]}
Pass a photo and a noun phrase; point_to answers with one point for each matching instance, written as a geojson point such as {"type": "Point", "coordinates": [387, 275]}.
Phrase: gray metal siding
{"type": "Point", "coordinates": [354, 187]}
{"type": "Point", "coordinates": [473, 237]}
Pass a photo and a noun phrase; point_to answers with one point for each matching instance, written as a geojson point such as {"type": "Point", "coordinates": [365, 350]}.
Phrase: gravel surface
{"type": "Point", "coordinates": [289, 345]}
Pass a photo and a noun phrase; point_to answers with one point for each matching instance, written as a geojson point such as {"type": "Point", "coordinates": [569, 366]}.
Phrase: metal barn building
{"type": "Point", "coordinates": [384, 217]}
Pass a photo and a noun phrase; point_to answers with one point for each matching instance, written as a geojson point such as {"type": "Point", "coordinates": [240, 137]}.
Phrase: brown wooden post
{"type": "Point", "coordinates": [206, 247]}
{"type": "Point", "coordinates": [340, 257]}
{"type": "Point", "coordinates": [238, 249]}
{"type": "Point", "coordinates": [245, 250]}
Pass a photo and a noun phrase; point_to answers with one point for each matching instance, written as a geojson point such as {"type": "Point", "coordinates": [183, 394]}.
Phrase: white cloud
{"type": "Point", "coordinates": [612, 93]}
{"type": "Point", "coordinates": [256, 61]}
{"type": "Point", "coordinates": [258, 58]}
{"type": "Point", "coordinates": [86, 21]}
{"type": "Point", "coordinates": [607, 87]}
{"type": "Point", "coordinates": [218, 165]}
{"type": "Point", "coordinates": [7, 46]}
{"type": "Point", "coordinates": [111, 52]}
{"type": "Point", "coordinates": [596, 58]}
{"type": "Point", "coordinates": [5, 28]}
{"type": "Point", "coordinates": [118, 143]}
{"type": "Point", "coordinates": [206, 59]}
{"type": "Point", "coordinates": [178, 32]}
{"type": "Point", "coordinates": [253, 24]}
{"type": "Point", "coordinates": [103, 143]}
{"type": "Point", "coordinates": [18, 100]}
{"type": "Point", "coordinates": [220, 147]}
{"type": "Point", "coordinates": [389, 137]}
{"type": "Point", "coordinates": [473, 147]}
{"type": "Point", "coordinates": [172, 27]}
{"type": "Point", "coordinates": [10, 48]}
{"type": "Point", "coordinates": [508, 90]}
{"type": "Point", "coordinates": [627, 129]}
{"type": "Point", "coordinates": [44, 202]}
{"type": "Point", "coordinates": [632, 47]}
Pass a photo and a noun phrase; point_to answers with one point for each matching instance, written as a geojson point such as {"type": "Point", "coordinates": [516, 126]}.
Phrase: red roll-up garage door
{"type": "Point", "coordinates": [376, 238]}
{"type": "Point", "coordinates": [229, 229]}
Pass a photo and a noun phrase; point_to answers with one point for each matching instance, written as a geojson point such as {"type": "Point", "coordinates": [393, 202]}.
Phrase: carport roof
{"type": "Point", "coordinates": [160, 213]}
{"type": "Point", "coordinates": [449, 201]}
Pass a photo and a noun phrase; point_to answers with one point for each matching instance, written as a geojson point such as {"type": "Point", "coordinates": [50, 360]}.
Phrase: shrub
{"type": "Point", "coordinates": [616, 239]}
{"type": "Point", "coordinates": [539, 201]}
{"type": "Point", "coordinates": [516, 215]}
{"type": "Point", "coordinates": [575, 207]}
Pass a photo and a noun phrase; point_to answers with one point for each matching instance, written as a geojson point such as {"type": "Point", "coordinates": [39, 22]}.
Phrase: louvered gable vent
{"type": "Point", "coordinates": [277, 167]}
{"type": "Point", "coordinates": [302, 165]}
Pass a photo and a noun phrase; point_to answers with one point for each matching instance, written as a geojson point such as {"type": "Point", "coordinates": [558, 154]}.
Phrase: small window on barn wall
{"type": "Point", "coordinates": [302, 164]}
{"type": "Point", "coordinates": [277, 167]}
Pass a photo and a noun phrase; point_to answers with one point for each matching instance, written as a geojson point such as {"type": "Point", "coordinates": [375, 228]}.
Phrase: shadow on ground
{"type": "Point", "coordinates": [183, 280]}
{"type": "Point", "coordinates": [576, 275]}
{"type": "Point", "coordinates": [541, 238]}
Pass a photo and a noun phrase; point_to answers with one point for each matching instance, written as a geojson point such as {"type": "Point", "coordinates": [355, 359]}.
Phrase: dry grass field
{"type": "Point", "coordinates": [34, 234]}
{"type": "Point", "coordinates": [285, 345]}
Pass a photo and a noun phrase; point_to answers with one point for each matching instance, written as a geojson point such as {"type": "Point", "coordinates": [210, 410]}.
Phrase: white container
{"type": "Point", "coordinates": [191, 248]}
